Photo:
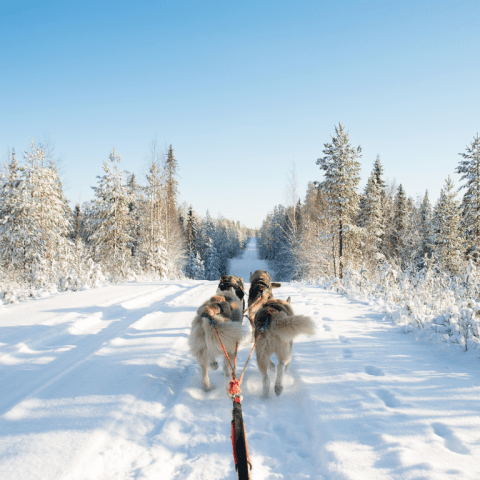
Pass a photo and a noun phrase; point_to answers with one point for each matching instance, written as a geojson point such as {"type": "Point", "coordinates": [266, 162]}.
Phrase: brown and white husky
{"type": "Point", "coordinates": [225, 310]}
{"type": "Point", "coordinates": [277, 326]}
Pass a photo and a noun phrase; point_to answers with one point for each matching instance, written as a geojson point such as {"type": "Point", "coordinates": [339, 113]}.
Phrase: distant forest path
{"type": "Point", "coordinates": [248, 263]}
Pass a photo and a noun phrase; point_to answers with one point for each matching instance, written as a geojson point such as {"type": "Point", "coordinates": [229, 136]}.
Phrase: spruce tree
{"type": "Point", "coordinates": [152, 221]}
{"type": "Point", "coordinates": [469, 168]}
{"type": "Point", "coordinates": [171, 188]}
{"type": "Point", "coordinates": [111, 228]}
{"type": "Point", "coordinates": [447, 237]}
{"type": "Point", "coordinates": [342, 176]}
{"type": "Point", "coordinates": [21, 240]}
{"type": "Point", "coordinates": [175, 240]}
{"type": "Point", "coordinates": [212, 261]}
{"type": "Point", "coordinates": [198, 268]}
{"type": "Point", "coordinates": [298, 216]}
{"type": "Point", "coordinates": [191, 230]}
{"type": "Point", "coordinates": [378, 173]}
{"type": "Point", "coordinates": [135, 213]}
{"type": "Point", "coordinates": [400, 225]}
{"type": "Point", "coordinates": [189, 269]}
{"type": "Point", "coordinates": [371, 218]}
{"type": "Point", "coordinates": [426, 233]}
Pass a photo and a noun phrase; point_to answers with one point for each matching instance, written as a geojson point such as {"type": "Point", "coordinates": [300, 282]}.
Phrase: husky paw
{"type": "Point", "coordinates": [214, 365]}
{"type": "Point", "coordinates": [278, 390]}
{"type": "Point", "coordinates": [207, 388]}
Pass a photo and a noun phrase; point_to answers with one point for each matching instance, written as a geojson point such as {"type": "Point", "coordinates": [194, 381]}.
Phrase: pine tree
{"type": "Point", "coordinates": [446, 220]}
{"type": "Point", "coordinates": [50, 207]}
{"type": "Point", "coordinates": [469, 168]}
{"type": "Point", "coordinates": [285, 263]}
{"type": "Point", "coordinates": [175, 240]}
{"type": "Point", "coordinates": [190, 266]}
{"type": "Point", "coordinates": [212, 261]}
{"type": "Point", "coordinates": [135, 212]}
{"type": "Point", "coordinates": [171, 192]}
{"type": "Point", "coordinates": [371, 218]}
{"type": "Point", "coordinates": [110, 233]}
{"type": "Point", "coordinates": [298, 216]}
{"type": "Point", "coordinates": [378, 172]}
{"type": "Point", "coordinates": [426, 233]}
{"type": "Point", "coordinates": [275, 234]}
{"type": "Point", "coordinates": [77, 230]}
{"type": "Point", "coordinates": [342, 176]}
{"type": "Point", "coordinates": [152, 239]}
{"type": "Point", "coordinates": [399, 225]}
{"type": "Point", "coordinates": [21, 240]}
{"type": "Point", "coordinates": [191, 230]}
{"type": "Point", "coordinates": [223, 248]}
{"type": "Point", "coordinates": [198, 268]}
{"type": "Point", "coordinates": [446, 223]}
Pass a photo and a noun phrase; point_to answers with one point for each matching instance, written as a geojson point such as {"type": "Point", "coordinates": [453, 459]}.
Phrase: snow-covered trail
{"type": "Point", "coordinates": [242, 267]}
{"type": "Point", "coordinates": [100, 385]}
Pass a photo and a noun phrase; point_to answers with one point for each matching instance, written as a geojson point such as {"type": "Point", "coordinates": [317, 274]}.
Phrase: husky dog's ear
{"type": "Point", "coordinates": [288, 300]}
{"type": "Point", "coordinates": [276, 285]}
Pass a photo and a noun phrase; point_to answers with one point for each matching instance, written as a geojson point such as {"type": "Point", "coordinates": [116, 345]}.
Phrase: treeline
{"type": "Point", "coordinates": [128, 229]}
{"type": "Point", "coordinates": [337, 229]}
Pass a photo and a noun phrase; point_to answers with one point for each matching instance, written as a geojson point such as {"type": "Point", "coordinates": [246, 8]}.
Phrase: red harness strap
{"type": "Point", "coordinates": [234, 386]}
{"type": "Point", "coordinates": [241, 454]}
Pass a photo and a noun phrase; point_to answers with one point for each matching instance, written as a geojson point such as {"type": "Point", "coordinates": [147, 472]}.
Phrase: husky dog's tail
{"type": "Point", "coordinates": [288, 327]}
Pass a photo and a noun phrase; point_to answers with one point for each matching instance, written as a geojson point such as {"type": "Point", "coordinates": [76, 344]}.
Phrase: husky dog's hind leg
{"type": "Point", "coordinates": [263, 362]}
{"type": "Point", "coordinates": [284, 356]}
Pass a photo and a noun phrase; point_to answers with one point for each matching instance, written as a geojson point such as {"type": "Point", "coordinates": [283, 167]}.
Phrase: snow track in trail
{"type": "Point", "coordinates": [79, 385]}
{"type": "Point", "coordinates": [101, 385]}
{"type": "Point", "coordinates": [73, 355]}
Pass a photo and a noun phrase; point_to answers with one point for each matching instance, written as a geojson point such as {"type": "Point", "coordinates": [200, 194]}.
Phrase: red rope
{"type": "Point", "coordinates": [225, 352]}
{"type": "Point", "coordinates": [234, 386]}
{"type": "Point", "coordinates": [234, 391]}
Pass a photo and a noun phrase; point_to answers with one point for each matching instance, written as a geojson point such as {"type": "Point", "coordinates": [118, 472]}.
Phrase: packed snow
{"type": "Point", "coordinates": [99, 384]}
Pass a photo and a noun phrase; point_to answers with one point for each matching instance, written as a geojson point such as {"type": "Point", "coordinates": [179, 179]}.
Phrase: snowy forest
{"type": "Point", "coordinates": [337, 229]}
{"type": "Point", "coordinates": [422, 260]}
{"type": "Point", "coordinates": [130, 229]}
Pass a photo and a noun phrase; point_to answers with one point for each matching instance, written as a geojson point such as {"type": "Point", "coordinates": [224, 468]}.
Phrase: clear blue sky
{"type": "Point", "coordinates": [242, 90]}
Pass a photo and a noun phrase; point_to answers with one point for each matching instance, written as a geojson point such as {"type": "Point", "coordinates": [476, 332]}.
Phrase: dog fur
{"type": "Point", "coordinates": [225, 310]}
{"type": "Point", "coordinates": [260, 292]}
{"type": "Point", "coordinates": [232, 281]}
{"type": "Point", "coordinates": [277, 326]}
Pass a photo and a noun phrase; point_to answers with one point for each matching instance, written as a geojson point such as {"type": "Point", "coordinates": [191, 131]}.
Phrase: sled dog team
{"type": "Point", "coordinates": [272, 321]}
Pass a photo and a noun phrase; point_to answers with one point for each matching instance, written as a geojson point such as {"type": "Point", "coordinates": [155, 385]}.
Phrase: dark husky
{"type": "Point", "coordinates": [231, 281]}
{"type": "Point", "coordinates": [261, 287]}
{"type": "Point", "coordinates": [225, 310]}
{"type": "Point", "coordinates": [277, 326]}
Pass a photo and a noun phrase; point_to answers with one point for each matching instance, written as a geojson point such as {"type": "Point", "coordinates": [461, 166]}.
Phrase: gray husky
{"type": "Point", "coordinates": [277, 326]}
{"type": "Point", "coordinates": [225, 310]}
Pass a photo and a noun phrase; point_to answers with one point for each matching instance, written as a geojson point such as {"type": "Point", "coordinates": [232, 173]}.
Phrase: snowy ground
{"type": "Point", "coordinates": [100, 385]}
